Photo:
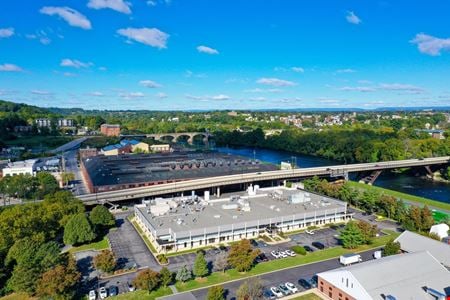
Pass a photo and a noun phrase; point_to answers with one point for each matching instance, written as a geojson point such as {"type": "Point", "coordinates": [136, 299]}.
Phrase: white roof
{"type": "Point", "coordinates": [413, 242]}
{"type": "Point", "coordinates": [402, 276]}
{"type": "Point", "coordinates": [440, 229]}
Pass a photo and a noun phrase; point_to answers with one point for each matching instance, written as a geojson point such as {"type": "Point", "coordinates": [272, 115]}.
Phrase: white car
{"type": "Point", "coordinates": [275, 254]}
{"type": "Point", "coordinates": [283, 254]}
{"type": "Point", "coordinates": [276, 291]}
{"type": "Point", "coordinates": [290, 253]}
{"type": "Point", "coordinates": [92, 295]}
{"type": "Point", "coordinates": [309, 231]}
{"type": "Point", "coordinates": [290, 286]}
{"type": "Point", "coordinates": [103, 292]}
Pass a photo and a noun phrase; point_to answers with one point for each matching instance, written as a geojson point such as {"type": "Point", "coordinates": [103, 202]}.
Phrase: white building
{"type": "Point", "coordinates": [65, 123]}
{"type": "Point", "coordinates": [43, 122]}
{"type": "Point", "coordinates": [20, 167]}
{"type": "Point", "coordinates": [440, 229]}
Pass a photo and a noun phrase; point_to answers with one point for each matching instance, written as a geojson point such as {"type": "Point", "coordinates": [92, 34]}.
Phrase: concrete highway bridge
{"type": "Point", "coordinates": [189, 136]}
{"type": "Point", "coordinates": [212, 182]}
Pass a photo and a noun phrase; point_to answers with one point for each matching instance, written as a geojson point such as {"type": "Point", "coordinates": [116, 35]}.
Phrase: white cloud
{"type": "Point", "coordinates": [70, 15]}
{"type": "Point", "coordinates": [207, 50]}
{"type": "Point", "coordinates": [275, 82]}
{"type": "Point", "coordinates": [131, 95]}
{"type": "Point", "coordinates": [364, 89]}
{"type": "Point", "coordinates": [298, 69]}
{"type": "Point", "coordinates": [96, 94]}
{"type": "Point", "coordinates": [41, 92]}
{"type": "Point", "coordinates": [6, 32]}
{"type": "Point", "coordinates": [431, 45]}
{"type": "Point", "coordinates": [41, 36]}
{"type": "Point", "coordinates": [329, 101]}
{"type": "Point", "coordinates": [258, 90]}
{"type": "Point", "coordinates": [344, 71]}
{"type": "Point", "coordinates": [150, 84]}
{"type": "Point", "coordinates": [10, 68]}
{"type": "Point", "coordinates": [189, 74]}
{"type": "Point", "coordinates": [117, 5]}
{"type": "Point", "coordinates": [102, 69]}
{"type": "Point", "coordinates": [161, 95]}
{"type": "Point", "coordinates": [352, 18]}
{"type": "Point", "coordinates": [401, 87]}
{"type": "Point", "coordinates": [67, 62]}
{"type": "Point", "coordinates": [220, 97]}
{"type": "Point", "coordinates": [148, 36]}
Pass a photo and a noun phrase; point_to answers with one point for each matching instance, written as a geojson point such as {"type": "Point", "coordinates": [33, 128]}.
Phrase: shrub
{"type": "Point", "coordinates": [299, 250]}
{"type": "Point", "coordinates": [162, 259]}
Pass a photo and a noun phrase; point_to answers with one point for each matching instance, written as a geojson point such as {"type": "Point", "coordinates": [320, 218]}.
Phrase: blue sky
{"type": "Point", "coordinates": [199, 54]}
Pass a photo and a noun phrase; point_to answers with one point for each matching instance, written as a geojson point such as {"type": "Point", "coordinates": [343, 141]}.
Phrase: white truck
{"type": "Point", "coordinates": [348, 259]}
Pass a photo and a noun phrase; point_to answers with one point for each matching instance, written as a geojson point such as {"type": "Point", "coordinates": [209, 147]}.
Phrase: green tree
{"type": "Point", "coordinates": [200, 265]}
{"type": "Point", "coordinates": [66, 177]}
{"type": "Point", "coordinates": [47, 184]}
{"type": "Point", "coordinates": [166, 276]}
{"type": "Point", "coordinates": [368, 231]}
{"type": "Point", "coordinates": [183, 274]}
{"type": "Point", "coordinates": [78, 230]}
{"type": "Point", "coordinates": [351, 236]}
{"type": "Point", "coordinates": [147, 280]}
{"type": "Point", "coordinates": [250, 289]}
{"type": "Point", "coordinates": [101, 217]}
{"type": "Point", "coordinates": [427, 219]}
{"type": "Point", "coordinates": [242, 256]}
{"type": "Point", "coordinates": [59, 282]}
{"type": "Point", "coordinates": [105, 261]}
{"type": "Point", "coordinates": [391, 248]}
{"type": "Point", "coordinates": [216, 292]}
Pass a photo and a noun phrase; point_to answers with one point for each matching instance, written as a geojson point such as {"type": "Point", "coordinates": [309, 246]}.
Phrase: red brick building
{"type": "Point", "coordinates": [110, 129]}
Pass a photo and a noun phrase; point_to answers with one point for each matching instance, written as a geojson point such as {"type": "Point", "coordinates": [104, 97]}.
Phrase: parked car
{"type": "Point", "coordinates": [318, 245]}
{"type": "Point", "coordinates": [262, 257]}
{"type": "Point", "coordinates": [92, 295]}
{"type": "Point", "coordinates": [291, 287]}
{"type": "Point", "coordinates": [284, 289]}
{"type": "Point", "coordinates": [350, 258]}
{"type": "Point", "coordinates": [290, 252]}
{"type": "Point", "coordinates": [113, 290]}
{"type": "Point", "coordinates": [103, 292]}
{"type": "Point", "coordinates": [282, 254]}
{"type": "Point", "coordinates": [254, 243]}
{"type": "Point", "coordinates": [304, 283]}
{"type": "Point", "coordinates": [313, 281]}
{"type": "Point", "coordinates": [131, 288]}
{"type": "Point", "coordinates": [275, 254]}
{"type": "Point", "coordinates": [267, 294]}
{"type": "Point", "coordinates": [308, 248]}
{"type": "Point", "coordinates": [309, 232]}
{"type": "Point", "coordinates": [377, 254]}
{"type": "Point", "coordinates": [276, 292]}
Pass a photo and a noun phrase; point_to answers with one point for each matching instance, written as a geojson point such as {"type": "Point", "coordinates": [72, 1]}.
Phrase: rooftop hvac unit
{"type": "Point", "coordinates": [435, 293]}
{"type": "Point", "coordinates": [217, 216]}
{"type": "Point", "coordinates": [234, 217]}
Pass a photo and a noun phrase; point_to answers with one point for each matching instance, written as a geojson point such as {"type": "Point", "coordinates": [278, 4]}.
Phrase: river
{"type": "Point", "coordinates": [399, 182]}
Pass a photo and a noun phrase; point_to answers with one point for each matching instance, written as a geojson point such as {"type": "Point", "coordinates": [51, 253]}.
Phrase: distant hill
{"type": "Point", "coordinates": [24, 110]}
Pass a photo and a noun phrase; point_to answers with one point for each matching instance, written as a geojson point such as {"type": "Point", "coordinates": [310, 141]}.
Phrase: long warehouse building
{"type": "Point", "coordinates": [180, 223]}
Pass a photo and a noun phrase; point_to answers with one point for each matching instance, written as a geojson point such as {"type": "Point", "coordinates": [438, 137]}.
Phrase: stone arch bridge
{"type": "Point", "coordinates": [176, 136]}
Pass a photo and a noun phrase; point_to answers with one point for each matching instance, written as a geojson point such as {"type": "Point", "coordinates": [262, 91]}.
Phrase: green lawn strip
{"type": "Point", "coordinates": [188, 251]}
{"type": "Point", "coordinates": [144, 237]}
{"type": "Point", "coordinates": [403, 196]}
{"type": "Point", "coordinates": [100, 245]}
{"type": "Point", "coordinates": [34, 141]}
{"type": "Point", "coordinates": [145, 295]}
{"type": "Point", "coordinates": [274, 265]}
{"type": "Point", "coordinates": [310, 296]}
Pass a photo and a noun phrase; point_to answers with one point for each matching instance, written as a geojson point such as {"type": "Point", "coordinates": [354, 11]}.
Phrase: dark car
{"type": "Point", "coordinates": [313, 281]}
{"type": "Point", "coordinates": [254, 243]}
{"type": "Point", "coordinates": [267, 294]}
{"type": "Point", "coordinates": [262, 257]}
{"type": "Point", "coordinates": [113, 290]}
{"type": "Point", "coordinates": [318, 245]}
{"type": "Point", "coordinates": [304, 283]}
{"type": "Point", "coordinates": [308, 248]}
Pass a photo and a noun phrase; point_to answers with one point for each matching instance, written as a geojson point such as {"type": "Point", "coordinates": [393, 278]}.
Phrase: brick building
{"type": "Point", "coordinates": [110, 129]}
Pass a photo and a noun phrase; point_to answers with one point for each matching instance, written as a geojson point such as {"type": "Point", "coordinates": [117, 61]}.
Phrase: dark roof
{"type": "Point", "coordinates": [141, 168]}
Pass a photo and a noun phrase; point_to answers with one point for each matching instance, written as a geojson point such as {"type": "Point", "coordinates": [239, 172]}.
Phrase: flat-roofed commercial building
{"type": "Point", "coordinates": [116, 172]}
{"type": "Point", "coordinates": [189, 222]}
{"type": "Point", "coordinates": [415, 276]}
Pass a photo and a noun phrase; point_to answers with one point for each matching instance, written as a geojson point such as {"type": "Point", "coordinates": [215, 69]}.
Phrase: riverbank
{"type": "Point", "coordinates": [412, 199]}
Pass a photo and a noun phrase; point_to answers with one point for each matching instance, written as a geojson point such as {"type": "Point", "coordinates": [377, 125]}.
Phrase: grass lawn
{"type": "Point", "coordinates": [274, 265]}
{"type": "Point", "coordinates": [17, 296]}
{"type": "Point", "coordinates": [144, 295]}
{"type": "Point", "coordinates": [100, 245]}
{"type": "Point", "coordinates": [400, 195]}
{"type": "Point", "coordinates": [310, 296]}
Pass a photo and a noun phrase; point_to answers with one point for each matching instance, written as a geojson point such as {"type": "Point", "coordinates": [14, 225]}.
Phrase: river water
{"type": "Point", "coordinates": [399, 182]}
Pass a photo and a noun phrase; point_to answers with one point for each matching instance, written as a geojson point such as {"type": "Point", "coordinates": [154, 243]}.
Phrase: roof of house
{"type": "Point", "coordinates": [403, 276]}
{"type": "Point", "coordinates": [129, 142]}
{"type": "Point", "coordinates": [112, 147]}
{"type": "Point", "coordinates": [413, 242]}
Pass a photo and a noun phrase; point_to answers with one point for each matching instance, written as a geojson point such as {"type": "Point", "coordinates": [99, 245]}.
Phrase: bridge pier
{"type": "Point", "coordinates": [429, 171]}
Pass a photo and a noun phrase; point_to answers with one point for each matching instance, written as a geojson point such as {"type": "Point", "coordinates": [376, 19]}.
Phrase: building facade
{"type": "Point", "coordinates": [110, 129]}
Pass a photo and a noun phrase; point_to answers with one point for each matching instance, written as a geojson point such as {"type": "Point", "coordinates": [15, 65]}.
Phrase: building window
{"type": "Point", "coordinates": [330, 288]}
{"type": "Point", "coordinates": [330, 294]}
{"type": "Point", "coordinates": [321, 289]}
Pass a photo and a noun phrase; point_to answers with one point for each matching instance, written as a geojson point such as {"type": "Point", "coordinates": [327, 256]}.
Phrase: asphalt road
{"type": "Point", "coordinates": [283, 276]}
{"type": "Point", "coordinates": [71, 165]}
